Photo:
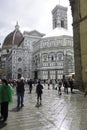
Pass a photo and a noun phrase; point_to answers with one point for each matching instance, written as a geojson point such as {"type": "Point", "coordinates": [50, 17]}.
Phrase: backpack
{"type": "Point", "coordinates": [39, 88]}
{"type": "Point", "coordinates": [60, 83]}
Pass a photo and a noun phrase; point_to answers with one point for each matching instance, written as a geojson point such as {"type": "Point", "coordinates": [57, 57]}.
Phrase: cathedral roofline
{"type": "Point", "coordinates": [13, 38]}
{"type": "Point", "coordinates": [59, 32]}
{"type": "Point", "coordinates": [33, 31]}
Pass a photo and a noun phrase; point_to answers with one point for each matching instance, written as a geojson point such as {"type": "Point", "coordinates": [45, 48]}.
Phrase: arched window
{"type": "Point", "coordinates": [45, 57]}
{"type": "Point", "coordinates": [52, 58]}
{"type": "Point", "coordinates": [62, 23]}
{"type": "Point", "coordinates": [59, 56]}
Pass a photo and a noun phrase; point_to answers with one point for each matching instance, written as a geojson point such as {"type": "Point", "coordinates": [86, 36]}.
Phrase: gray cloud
{"type": "Point", "coordinates": [31, 14]}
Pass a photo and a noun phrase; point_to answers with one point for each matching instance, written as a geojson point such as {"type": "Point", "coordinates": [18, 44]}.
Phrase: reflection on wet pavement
{"type": "Point", "coordinates": [65, 112]}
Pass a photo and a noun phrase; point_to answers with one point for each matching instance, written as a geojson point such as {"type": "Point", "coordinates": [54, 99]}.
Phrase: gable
{"type": "Point", "coordinates": [35, 33]}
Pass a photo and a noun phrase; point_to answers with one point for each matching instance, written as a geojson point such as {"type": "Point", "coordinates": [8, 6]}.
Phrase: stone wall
{"type": "Point", "coordinates": [75, 6]}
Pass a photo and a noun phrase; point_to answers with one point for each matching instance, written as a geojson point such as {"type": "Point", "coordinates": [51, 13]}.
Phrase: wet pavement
{"type": "Point", "coordinates": [58, 112]}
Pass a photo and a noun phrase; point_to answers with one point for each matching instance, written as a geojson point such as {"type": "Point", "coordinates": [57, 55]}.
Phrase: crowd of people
{"type": "Point", "coordinates": [7, 90]}
{"type": "Point", "coordinates": [57, 84]}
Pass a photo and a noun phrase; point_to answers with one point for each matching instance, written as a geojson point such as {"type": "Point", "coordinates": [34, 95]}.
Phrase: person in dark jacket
{"type": "Point", "coordinates": [30, 85]}
{"type": "Point", "coordinates": [71, 84]}
{"type": "Point", "coordinates": [20, 93]}
{"type": "Point", "coordinates": [66, 85]}
{"type": "Point", "coordinates": [39, 92]}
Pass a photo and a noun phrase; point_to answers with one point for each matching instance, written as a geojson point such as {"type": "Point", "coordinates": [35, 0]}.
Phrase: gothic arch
{"type": "Point", "coordinates": [44, 57]}
{"type": "Point", "coordinates": [59, 55]}
{"type": "Point", "coordinates": [52, 56]}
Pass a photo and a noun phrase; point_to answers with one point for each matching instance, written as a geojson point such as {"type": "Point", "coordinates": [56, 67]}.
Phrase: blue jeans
{"type": "Point", "coordinates": [20, 99]}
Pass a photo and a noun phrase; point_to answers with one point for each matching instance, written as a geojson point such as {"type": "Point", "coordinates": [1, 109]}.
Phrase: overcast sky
{"type": "Point", "coordinates": [30, 14]}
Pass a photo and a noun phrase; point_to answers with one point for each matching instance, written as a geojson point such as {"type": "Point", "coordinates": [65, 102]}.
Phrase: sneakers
{"type": "Point", "coordinates": [22, 105]}
{"type": "Point", "coordinates": [17, 106]}
{"type": "Point", "coordinates": [3, 120]}
{"type": "Point", "coordinates": [40, 104]}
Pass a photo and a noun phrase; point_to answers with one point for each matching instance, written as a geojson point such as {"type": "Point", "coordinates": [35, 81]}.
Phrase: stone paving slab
{"type": "Point", "coordinates": [65, 112]}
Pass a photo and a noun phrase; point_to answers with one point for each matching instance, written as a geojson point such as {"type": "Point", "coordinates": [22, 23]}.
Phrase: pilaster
{"type": "Point", "coordinates": [75, 7]}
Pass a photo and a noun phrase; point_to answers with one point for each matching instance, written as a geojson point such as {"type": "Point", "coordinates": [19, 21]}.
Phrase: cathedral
{"type": "Point", "coordinates": [39, 56]}
{"type": "Point", "coordinates": [17, 53]}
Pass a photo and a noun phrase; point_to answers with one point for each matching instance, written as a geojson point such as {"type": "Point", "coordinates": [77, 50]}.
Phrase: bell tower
{"type": "Point", "coordinates": [59, 14]}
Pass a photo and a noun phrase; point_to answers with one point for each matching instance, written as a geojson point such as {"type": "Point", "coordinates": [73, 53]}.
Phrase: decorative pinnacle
{"type": "Point", "coordinates": [17, 26]}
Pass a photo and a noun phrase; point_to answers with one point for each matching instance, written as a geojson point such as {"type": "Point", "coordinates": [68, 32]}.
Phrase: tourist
{"type": "Point", "coordinates": [48, 82]}
{"type": "Point", "coordinates": [59, 87]}
{"type": "Point", "coordinates": [30, 85]}
{"type": "Point", "coordinates": [66, 85]}
{"type": "Point", "coordinates": [39, 92]}
{"type": "Point", "coordinates": [71, 84]}
{"type": "Point", "coordinates": [20, 93]}
{"type": "Point", "coordinates": [6, 92]}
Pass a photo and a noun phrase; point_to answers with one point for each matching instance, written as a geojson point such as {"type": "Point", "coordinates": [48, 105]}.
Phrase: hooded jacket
{"type": "Point", "coordinates": [6, 92]}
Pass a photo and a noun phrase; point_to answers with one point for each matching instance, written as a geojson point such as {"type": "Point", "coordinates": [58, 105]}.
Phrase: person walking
{"type": "Point", "coordinates": [30, 85]}
{"type": "Point", "coordinates": [59, 87]}
{"type": "Point", "coordinates": [6, 92]}
{"type": "Point", "coordinates": [20, 93]}
{"type": "Point", "coordinates": [44, 82]}
{"type": "Point", "coordinates": [48, 83]}
{"type": "Point", "coordinates": [53, 83]}
{"type": "Point", "coordinates": [39, 92]}
{"type": "Point", "coordinates": [66, 85]}
{"type": "Point", "coordinates": [71, 84]}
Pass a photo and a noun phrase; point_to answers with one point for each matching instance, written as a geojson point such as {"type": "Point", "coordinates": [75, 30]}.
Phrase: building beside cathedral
{"type": "Point", "coordinates": [53, 55]}
{"type": "Point", "coordinates": [38, 56]}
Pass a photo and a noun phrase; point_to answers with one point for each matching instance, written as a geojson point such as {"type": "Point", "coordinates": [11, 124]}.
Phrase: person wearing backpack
{"type": "Point", "coordinates": [39, 92]}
